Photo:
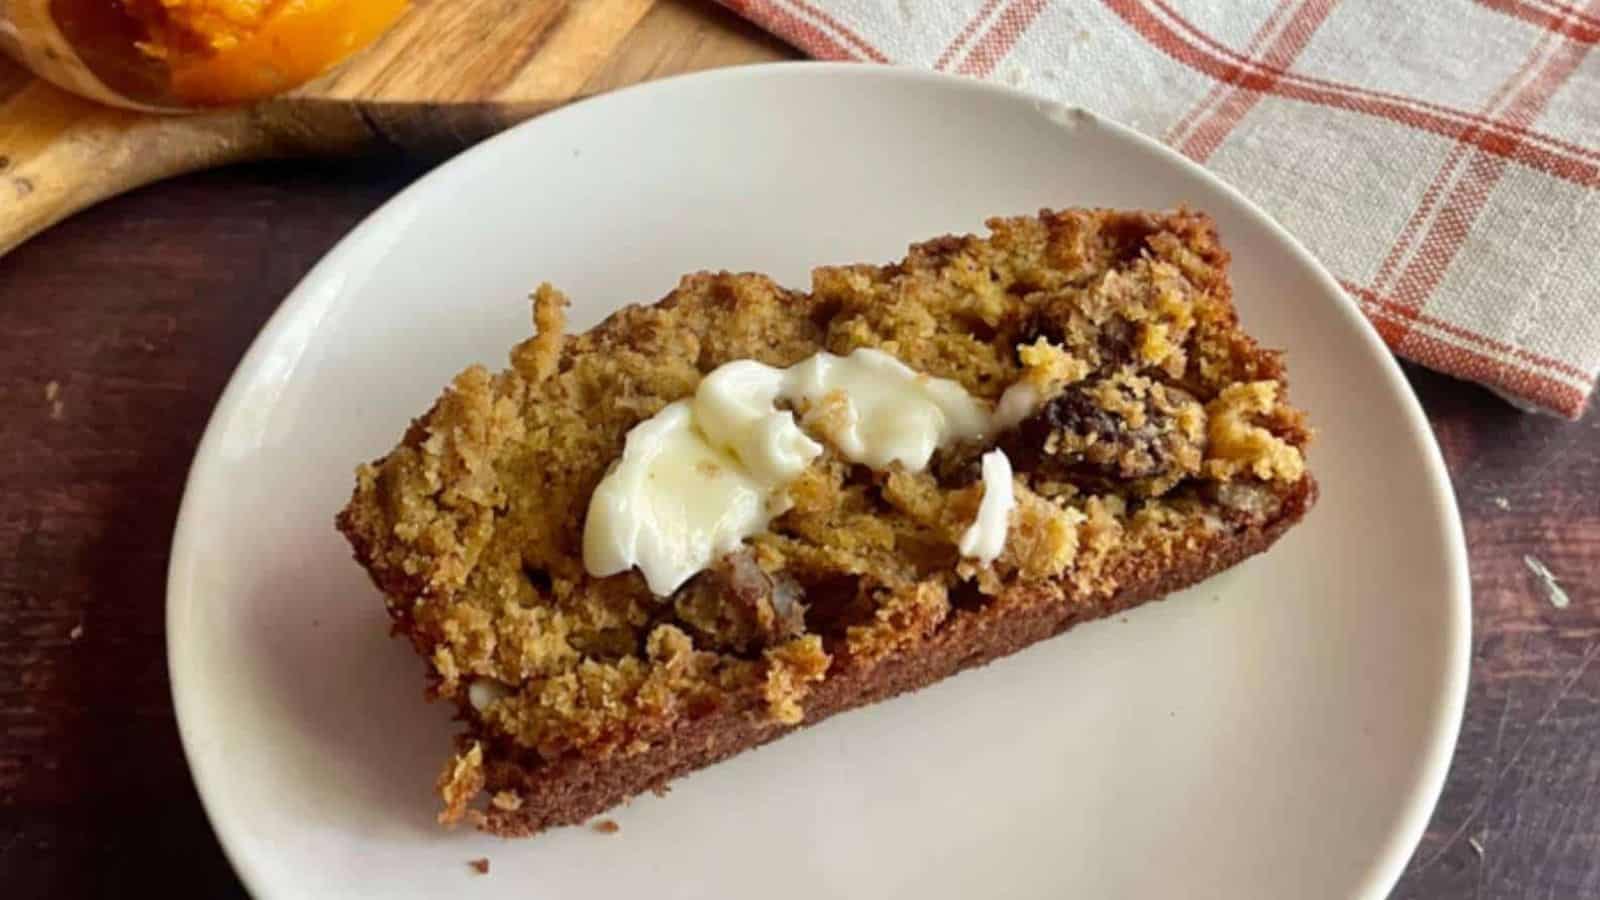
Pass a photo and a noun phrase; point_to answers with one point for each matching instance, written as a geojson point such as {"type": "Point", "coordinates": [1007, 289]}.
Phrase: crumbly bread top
{"type": "Point", "coordinates": [1160, 423]}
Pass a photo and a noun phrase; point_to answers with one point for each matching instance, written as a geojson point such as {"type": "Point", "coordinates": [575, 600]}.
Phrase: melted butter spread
{"type": "Point", "coordinates": [698, 478]}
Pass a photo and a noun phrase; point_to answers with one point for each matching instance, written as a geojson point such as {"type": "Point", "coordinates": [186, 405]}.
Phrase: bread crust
{"type": "Point", "coordinates": [570, 790]}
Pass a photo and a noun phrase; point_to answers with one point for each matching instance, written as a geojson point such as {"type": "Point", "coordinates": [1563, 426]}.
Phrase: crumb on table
{"type": "Point", "coordinates": [52, 396]}
{"type": "Point", "coordinates": [480, 865]}
{"type": "Point", "coordinates": [1553, 591]}
{"type": "Point", "coordinates": [607, 826]}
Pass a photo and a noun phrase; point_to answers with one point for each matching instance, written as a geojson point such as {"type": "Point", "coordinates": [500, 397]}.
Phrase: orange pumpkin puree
{"type": "Point", "coordinates": [229, 51]}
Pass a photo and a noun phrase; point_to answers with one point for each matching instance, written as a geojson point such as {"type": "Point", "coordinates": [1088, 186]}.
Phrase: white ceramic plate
{"type": "Point", "coordinates": [1281, 731]}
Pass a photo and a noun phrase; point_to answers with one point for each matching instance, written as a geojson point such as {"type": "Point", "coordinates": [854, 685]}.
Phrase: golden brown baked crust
{"type": "Point", "coordinates": [1163, 451]}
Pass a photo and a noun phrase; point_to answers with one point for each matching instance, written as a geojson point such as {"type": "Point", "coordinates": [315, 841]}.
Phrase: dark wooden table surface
{"type": "Point", "coordinates": [119, 328]}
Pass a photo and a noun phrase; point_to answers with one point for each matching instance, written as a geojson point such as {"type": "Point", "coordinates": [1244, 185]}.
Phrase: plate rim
{"type": "Point", "coordinates": [1417, 809]}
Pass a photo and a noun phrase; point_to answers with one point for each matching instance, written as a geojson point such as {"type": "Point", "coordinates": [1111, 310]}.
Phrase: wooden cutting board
{"type": "Point", "coordinates": [448, 74]}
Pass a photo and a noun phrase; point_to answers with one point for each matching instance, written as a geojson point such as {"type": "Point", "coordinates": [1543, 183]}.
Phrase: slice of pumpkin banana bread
{"type": "Point", "coordinates": [710, 521]}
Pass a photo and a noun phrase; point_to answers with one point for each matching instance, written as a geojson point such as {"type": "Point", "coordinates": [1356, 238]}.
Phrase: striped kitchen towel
{"type": "Point", "coordinates": [1441, 157]}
